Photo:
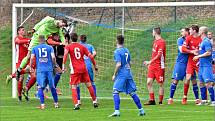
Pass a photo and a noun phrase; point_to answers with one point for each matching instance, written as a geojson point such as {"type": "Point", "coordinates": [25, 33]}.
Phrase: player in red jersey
{"type": "Point", "coordinates": [21, 51]}
{"type": "Point", "coordinates": [156, 66]}
{"type": "Point", "coordinates": [78, 68]}
{"type": "Point", "coordinates": [191, 46]}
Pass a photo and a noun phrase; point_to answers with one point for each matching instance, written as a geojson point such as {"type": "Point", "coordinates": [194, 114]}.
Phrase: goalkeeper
{"type": "Point", "coordinates": [46, 27]}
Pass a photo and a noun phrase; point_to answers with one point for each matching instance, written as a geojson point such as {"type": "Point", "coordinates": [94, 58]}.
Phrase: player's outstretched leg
{"type": "Point", "coordinates": [78, 94]}
{"type": "Point", "coordinates": [92, 94]}
{"type": "Point", "coordinates": [138, 103]}
{"type": "Point", "coordinates": [172, 91]}
{"type": "Point", "coordinates": [116, 100]}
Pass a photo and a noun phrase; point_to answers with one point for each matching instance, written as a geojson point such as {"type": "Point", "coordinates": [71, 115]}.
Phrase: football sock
{"type": "Point", "coordinates": [92, 94]}
{"type": "Point", "coordinates": [136, 100]}
{"type": "Point", "coordinates": [19, 87]}
{"type": "Point", "coordinates": [24, 62]}
{"type": "Point", "coordinates": [160, 98]}
{"type": "Point", "coordinates": [203, 92]}
{"type": "Point", "coordinates": [186, 88]}
{"type": "Point", "coordinates": [78, 92]}
{"type": "Point", "coordinates": [31, 82]}
{"type": "Point", "coordinates": [211, 93]}
{"type": "Point", "coordinates": [94, 88]}
{"type": "Point", "coordinates": [41, 95]}
{"type": "Point", "coordinates": [54, 94]}
{"type": "Point", "coordinates": [56, 79]}
{"type": "Point", "coordinates": [172, 89]}
{"type": "Point", "coordinates": [196, 91]}
{"type": "Point", "coordinates": [151, 96]}
{"type": "Point", "coordinates": [74, 96]}
{"type": "Point", "coordinates": [116, 100]}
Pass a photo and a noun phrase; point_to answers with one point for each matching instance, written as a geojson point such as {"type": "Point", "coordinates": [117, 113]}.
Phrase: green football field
{"type": "Point", "coordinates": [11, 110]}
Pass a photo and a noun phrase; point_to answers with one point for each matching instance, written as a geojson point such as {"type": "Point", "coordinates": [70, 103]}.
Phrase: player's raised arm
{"type": "Point", "coordinates": [87, 53]}
{"type": "Point", "coordinates": [43, 21]}
{"type": "Point", "coordinates": [62, 37]}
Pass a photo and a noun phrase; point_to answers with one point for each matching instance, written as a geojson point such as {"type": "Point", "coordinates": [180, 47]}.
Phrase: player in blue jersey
{"type": "Point", "coordinates": [45, 63]}
{"type": "Point", "coordinates": [213, 57]}
{"type": "Point", "coordinates": [179, 71]}
{"type": "Point", "coordinates": [205, 65]}
{"type": "Point", "coordinates": [83, 39]}
{"type": "Point", "coordinates": [123, 79]}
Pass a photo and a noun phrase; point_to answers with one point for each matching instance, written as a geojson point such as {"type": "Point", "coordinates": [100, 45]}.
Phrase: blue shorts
{"type": "Point", "coordinates": [91, 74]}
{"type": "Point", "coordinates": [179, 71]}
{"type": "Point", "coordinates": [44, 78]}
{"type": "Point", "coordinates": [206, 74]}
{"type": "Point", "coordinates": [124, 84]}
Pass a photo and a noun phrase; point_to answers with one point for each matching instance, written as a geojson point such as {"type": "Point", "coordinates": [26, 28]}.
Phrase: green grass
{"type": "Point", "coordinates": [139, 43]}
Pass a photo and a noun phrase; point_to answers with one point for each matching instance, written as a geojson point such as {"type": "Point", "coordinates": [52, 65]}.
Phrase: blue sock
{"type": "Point", "coordinates": [116, 100]}
{"type": "Point", "coordinates": [196, 91]}
{"type": "Point", "coordinates": [172, 90]}
{"type": "Point", "coordinates": [56, 79]}
{"type": "Point", "coordinates": [94, 88]}
{"type": "Point", "coordinates": [136, 100]}
{"type": "Point", "coordinates": [211, 92]}
{"type": "Point", "coordinates": [54, 94]}
{"type": "Point", "coordinates": [78, 92]}
{"type": "Point", "coordinates": [41, 95]}
{"type": "Point", "coordinates": [203, 92]}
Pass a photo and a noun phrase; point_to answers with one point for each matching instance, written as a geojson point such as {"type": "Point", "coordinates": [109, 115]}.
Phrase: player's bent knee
{"type": "Point", "coordinates": [115, 92]}
{"type": "Point", "coordinates": [88, 84]}
{"type": "Point", "coordinates": [201, 84]}
{"type": "Point", "coordinates": [73, 86]}
{"type": "Point", "coordinates": [132, 93]}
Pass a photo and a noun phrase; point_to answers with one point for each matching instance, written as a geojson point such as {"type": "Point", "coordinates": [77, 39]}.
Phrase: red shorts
{"type": "Point", "coordinates": [156, 73]}
{"type": "Point", "coordinates": [78, 78]}
{"type": "Point", "coordinates": [191, 68]}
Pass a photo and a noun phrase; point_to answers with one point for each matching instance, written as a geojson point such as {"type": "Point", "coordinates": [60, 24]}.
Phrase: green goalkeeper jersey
{"type": "Point", "coordinates": [46, 27]}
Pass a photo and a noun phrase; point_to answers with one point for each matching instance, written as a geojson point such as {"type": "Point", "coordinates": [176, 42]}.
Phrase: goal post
{"type": "Point", "coordinates": [127, 29]}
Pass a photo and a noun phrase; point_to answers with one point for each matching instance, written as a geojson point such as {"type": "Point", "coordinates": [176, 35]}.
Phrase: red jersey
{"type": "Point", "coordinates": [21, 48]}
{"type": "Point", "coordinates": [77, 52]}
{"type": "Point", "coordinates": [159, 46]}
{"type": "Point", "coordinates": [192, 43]}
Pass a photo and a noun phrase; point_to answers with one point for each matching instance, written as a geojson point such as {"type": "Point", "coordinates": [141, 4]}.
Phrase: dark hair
{"type": "Point", "coordinates": [66, 36]}
{"type": "Point", "coordinates": [157, 30]}
{"type": "Point", "coordinates": [20, 27]}
{"type": "Point", "coordinates": [64, 21]}
{"type": "Point", "coordinates": [120, 39]}
{"type": "Point", "coordinates": [187, 30]}
{"type": "Point", "coordinates": [74, 37]}
{"type": "Point", "coordinates": [195, 27]}
{"type": "Point", "coordinates": [83, 38]}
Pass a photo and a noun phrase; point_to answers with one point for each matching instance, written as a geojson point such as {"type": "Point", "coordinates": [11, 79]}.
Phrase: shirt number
{"type": "Point", "coordinates": [126, 57]}
{"type": "Point", "coordinates": [77, 53]}
{"type": "Point", "coordinates": [42, 52]}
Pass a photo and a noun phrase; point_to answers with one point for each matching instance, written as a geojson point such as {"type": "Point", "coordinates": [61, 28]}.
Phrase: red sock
{"type": "Point", "coordinates": [74, 96]}
{"type": "Point", "coordinates": [151, 96]}
{"type": "Point", "coordinates": [91, 91]}
{"type": "Point", "coordinates": [186, 87]}
{"type": "Point", "coordinates": [31, 82]}
{"type": "Point", "coordinates": [19, 88]}
{"type": "Point", "coordinates": [23, 71]}
{"type": "Point", "coordinates": [160, 98]}
{"type": "Point", "coordinates": [13, 75]}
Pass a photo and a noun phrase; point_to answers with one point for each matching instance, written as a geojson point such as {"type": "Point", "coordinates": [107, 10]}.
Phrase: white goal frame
{"type": "Point", "coordinates": [81, 5]}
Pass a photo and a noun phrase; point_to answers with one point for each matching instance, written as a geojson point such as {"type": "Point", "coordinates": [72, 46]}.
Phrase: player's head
{"type": "Point", "coordinates": [55, 36]}
{"type": "Point", "coordinates": [194, 29]}
{"type": "Point", "coordinates": [185, 32]}
{"type": "Point", "coordinates": [210, 35]}
{"type": "Point", "coordinates": [203, 30]}
{"type": "Point", "coordinates": [74, 37]}
{"type": "Point", "coordinates": [156, 31]}
{"type": "Point", "coordinates": [42, 39]}
{"type": "Point", "coordinates": [21, 30]}
{"type": "Point", "coordinates": [120, 39]}
{"type": "Point", "coordinates": [67, 37]}
{"type": "Point", "coordinates": [62, 23]}
{"type": "Point", "coordinates": [83, 38]}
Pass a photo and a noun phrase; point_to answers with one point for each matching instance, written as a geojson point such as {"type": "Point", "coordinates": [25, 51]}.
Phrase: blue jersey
{"type": "Point", "coordinates": [122, 55]}
{"type": "Point", "coordinates": [182, 57]}
{"type": "Point", "coordinates": [213, 55]}
{"type": "Point", "coordinates": [205, 46]}
{"type": "Point", "coordinates": [42, 53]}
{"type": "Point", "coordinates": [91, 50]}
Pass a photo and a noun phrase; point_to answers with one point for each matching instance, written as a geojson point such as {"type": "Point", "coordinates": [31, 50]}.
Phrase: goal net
{"type": "Point", "coordinates": [103, 22]}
